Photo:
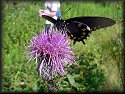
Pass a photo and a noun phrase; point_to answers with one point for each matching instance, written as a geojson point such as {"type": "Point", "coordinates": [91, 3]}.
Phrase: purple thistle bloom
{"type": "Point", "coordinates": [52, 52]}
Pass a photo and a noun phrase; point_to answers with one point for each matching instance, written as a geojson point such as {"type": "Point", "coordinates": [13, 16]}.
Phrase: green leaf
{"type": "Point", "coordinates": [35, 87]}
{"type": "Point", "coordinates": [71, 79]}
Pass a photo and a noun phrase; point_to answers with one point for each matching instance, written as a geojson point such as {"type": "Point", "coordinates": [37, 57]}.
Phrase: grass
{"type": "Point", "coordinates": [101, 57]}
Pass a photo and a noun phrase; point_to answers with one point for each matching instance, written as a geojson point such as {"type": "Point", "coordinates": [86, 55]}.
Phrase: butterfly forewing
{"type": "Point", "coordinates": [93, 22]}
{"type": "Point", "coordinates": [49, 19]}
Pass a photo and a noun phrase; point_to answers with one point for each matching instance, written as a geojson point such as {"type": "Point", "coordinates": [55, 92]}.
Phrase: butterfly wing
{"type": "Point", "coordinates": [93, 22]}
{"type": "Point", "coordinates": [49, 19]}
{"type": "Point", "coordinates": [77, 31]}
{"type": "Point", "coordinates": [79, 28]}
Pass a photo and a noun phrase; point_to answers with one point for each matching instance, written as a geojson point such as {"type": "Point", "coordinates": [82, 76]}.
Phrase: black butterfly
{"type": "Point", "coordinates": [78, 28]}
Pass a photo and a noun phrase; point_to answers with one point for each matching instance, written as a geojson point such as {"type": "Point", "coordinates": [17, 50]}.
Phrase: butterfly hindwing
{"type": "Point", "coordinates": [77, 31]}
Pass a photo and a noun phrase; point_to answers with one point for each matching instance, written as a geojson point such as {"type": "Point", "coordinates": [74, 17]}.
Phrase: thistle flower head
{"type": "Point", "coordinates": [52, 52]}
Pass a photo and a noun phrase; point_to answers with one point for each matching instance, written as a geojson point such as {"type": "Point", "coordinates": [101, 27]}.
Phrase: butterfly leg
{"type": "Point", "coordinates": [83, 42]}
{"type": "Point", "coordinates": [74, 42]}
{"type": "Point", "coordinates": [47, 27]}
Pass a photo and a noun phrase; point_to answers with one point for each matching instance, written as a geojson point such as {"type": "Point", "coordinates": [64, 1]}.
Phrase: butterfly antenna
{"type": "Point", "coordinates": [66, 11]}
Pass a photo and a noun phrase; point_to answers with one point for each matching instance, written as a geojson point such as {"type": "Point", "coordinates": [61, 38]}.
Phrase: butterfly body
{"type": "Point", "coordinates": [79, 28]}
{"type": "Point", "coordinates": [60, 24]}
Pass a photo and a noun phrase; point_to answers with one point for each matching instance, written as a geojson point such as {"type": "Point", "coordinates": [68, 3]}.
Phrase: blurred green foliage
{"type": "Point", "coordinates": [100, 61]}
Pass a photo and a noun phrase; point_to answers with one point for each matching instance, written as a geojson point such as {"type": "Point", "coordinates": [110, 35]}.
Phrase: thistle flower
{"type": "Point", "coordinates": [52, 52]}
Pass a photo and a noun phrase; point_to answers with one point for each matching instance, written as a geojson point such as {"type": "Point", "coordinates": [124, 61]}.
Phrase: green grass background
{"type": "Point", "coordinates": [100, 60]}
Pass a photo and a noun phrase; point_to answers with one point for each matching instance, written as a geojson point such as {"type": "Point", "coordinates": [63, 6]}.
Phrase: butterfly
{"type": "Point", "coordinates": [79, 28]}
